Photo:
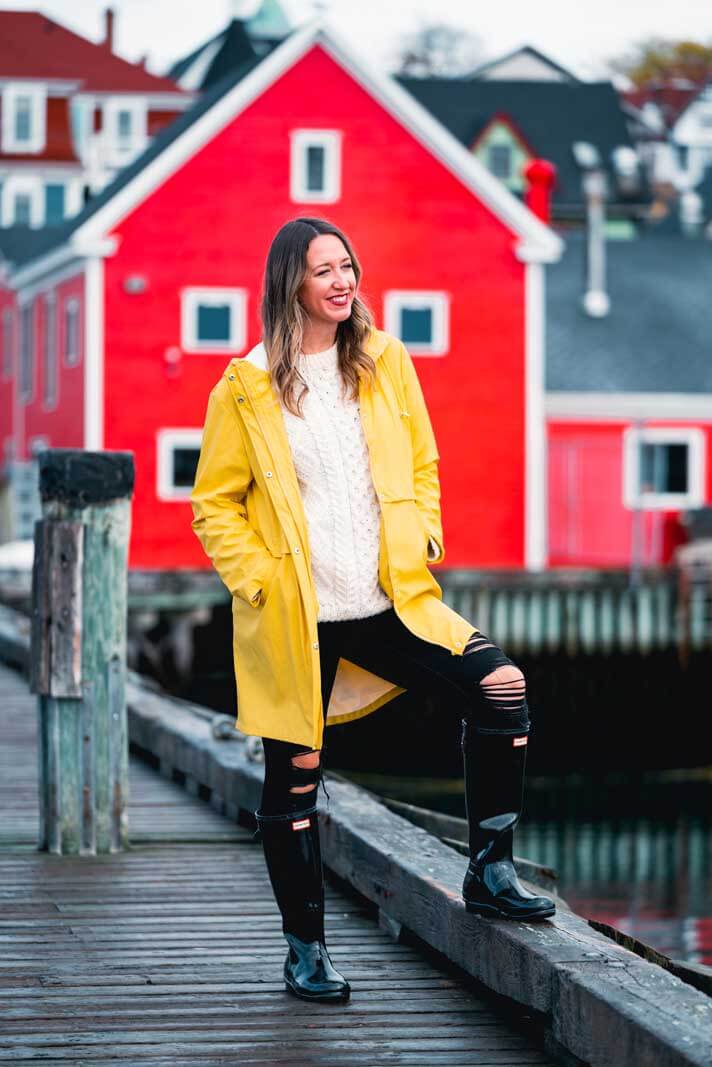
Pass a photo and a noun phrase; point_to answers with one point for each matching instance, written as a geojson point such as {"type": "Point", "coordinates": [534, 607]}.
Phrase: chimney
{"type": "Point", "coordinates": [108, 41]}
{"type": "Point", "coordinates": [540, 175]}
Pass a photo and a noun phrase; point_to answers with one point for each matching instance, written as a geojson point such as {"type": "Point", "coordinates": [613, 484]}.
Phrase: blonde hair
{"type": "Point", "coordinates": [283, 317]}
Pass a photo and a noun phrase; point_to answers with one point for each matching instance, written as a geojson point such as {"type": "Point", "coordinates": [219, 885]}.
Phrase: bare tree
{"type": "Point", "coordinates": [439, 49]}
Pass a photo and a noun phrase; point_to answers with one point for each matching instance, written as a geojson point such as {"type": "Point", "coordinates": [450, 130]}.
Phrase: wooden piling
{"type": "Point", "coordinates": [78, 659]}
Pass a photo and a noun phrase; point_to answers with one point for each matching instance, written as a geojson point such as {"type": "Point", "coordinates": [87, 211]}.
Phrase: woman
{"type": "Point", "coordinates": [317, 499]}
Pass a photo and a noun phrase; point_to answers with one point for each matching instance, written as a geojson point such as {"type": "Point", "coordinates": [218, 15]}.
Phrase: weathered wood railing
{"type": "Point", "coordinates": [582, 611]}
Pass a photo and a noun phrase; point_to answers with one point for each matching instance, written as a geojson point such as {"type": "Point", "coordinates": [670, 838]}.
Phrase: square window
{"type": "Point", "coordinates": [663, 468]}
{"type": "Point", "coordinates": [416, 325]}
{"type": "Point", "coordinates": [420, 319]}
{"type": "Point", "coordinates": [315, 163]}
{"type": "Point", "coordinates": [214, 323]}
{"type": "Point", "coordinates": [213, 320]}
{"type": "Point", "coordinates": [185, 464]}
{"type": "Point", "coordinates": [178, 452]}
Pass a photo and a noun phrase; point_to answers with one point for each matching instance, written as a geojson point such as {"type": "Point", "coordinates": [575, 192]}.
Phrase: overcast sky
{"type": "Point", "coordinates": [581, 35]}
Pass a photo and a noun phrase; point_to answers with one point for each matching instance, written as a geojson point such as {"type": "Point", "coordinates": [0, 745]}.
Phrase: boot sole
{"type": "Point", "coordinates": [489, 911]}
{"type": "Point", "coordinates": [336, 996]}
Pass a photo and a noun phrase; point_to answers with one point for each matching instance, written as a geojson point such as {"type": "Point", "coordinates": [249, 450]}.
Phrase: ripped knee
{"type": "Point", "coordinates": [501, 704]}
{"type": "Point", "coordinates": [305, 772]}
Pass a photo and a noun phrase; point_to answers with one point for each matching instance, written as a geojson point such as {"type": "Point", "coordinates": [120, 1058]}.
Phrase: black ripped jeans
{"type": "Point", "coordinates": [384, 645]}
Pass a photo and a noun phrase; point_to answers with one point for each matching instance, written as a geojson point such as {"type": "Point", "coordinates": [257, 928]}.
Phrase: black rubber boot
{"type": "Point", "coordinates": [494, 785]}
{"type": "Point", "coordinates": [293, 855]}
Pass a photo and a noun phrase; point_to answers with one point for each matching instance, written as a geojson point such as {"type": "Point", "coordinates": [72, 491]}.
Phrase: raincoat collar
{"type": "Point", "coordinates": [256, 362]}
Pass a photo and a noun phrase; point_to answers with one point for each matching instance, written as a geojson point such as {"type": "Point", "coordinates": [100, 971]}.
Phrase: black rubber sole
{"type": "Point", "coordinates": [491, 912]}
{"type": "Point", "coordinates": [337, 997]}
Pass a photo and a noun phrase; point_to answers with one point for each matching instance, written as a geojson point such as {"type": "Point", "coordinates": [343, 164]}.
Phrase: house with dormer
{"type": "Point", "coordinates": [72, 115]}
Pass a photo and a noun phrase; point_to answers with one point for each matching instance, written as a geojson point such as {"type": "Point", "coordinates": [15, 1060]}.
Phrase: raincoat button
{"type": "Point", "coordinates": [316, 644]}
{"type": "Point", "coordinates": [268, 474]}
{"type": "Point", "coordinates": [241, 400]}
{"type": "Point", "coordinates": [297, 548]}
{"type": "Point", "coordinates": [458, 644]}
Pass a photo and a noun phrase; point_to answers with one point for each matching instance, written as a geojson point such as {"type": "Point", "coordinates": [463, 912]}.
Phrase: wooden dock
{"type": "Point", "coordinates": [171, 952]}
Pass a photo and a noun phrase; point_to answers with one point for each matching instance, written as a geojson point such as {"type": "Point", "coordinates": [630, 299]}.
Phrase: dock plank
{"type": "Point", "coordinates": [171, 952]}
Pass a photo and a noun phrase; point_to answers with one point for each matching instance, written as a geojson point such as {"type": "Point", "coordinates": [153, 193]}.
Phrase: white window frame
{"type": "Point", "coordinates": [30, 185]}
{"type": "Point", "coordinates": [192, 298]}
{"type": "Point", "coordinates": [300, 142]}
{"type": "Point", "coordinates": [167, 440]}
{"type": "Point", "coordinates": [693, 437]}
{"type": "Point", "coordinates": [71, 306]}
{"type": "Point", "coordinates": [38, 97]}
{"type": "Point", "coordinates": [50, 353]}
{"type": "Point", "coordinates": [395, 300]}
{"type": "Point", "coordinates": [110, 127]}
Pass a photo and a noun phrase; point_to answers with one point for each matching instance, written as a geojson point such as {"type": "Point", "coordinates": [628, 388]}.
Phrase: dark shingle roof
{"type": "Point", "coordinates": [53, 237]}
{"type": "Point", "coordinates": [22, 242]}
{"type": "Point", "coordinates": [550, 115]}
{"type": "Point", "coordinates": [656, 338]}
{"type": "Point", "coordinates": [234, 50]}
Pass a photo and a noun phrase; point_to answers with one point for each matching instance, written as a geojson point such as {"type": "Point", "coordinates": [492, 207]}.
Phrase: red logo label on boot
{"type": "Point", "coordinates": [518, 741]}
{"type": "Point", "coordinates": [301, 824]}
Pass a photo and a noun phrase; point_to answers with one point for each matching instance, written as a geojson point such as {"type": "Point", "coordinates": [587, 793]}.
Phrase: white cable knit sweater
{"type": "Point", "coordinates": [330, 457]}
{"type": "Point", "coordinates": [343, 514]}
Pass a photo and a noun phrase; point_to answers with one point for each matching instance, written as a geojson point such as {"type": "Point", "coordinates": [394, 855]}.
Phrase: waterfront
{"type": "Point", "coordinates": [632, 851]}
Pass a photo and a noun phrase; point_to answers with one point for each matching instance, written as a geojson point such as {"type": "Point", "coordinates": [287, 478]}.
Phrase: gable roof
{"type": "Point", "coordinates": [487, 69]}
{"type": "Point", "coordinates": [551, 116]}
{"type": "Point", "coordinates": [217, 58]}
{"type": "Point", "coordinates": [33, 46]}
{"type": "Point", "coordinates": [174, 145]}
{"type": "Point", "coordinates": [655, 338]}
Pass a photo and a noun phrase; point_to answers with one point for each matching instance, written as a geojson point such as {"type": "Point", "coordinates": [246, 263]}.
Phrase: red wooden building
{"type": "Point", "coordinates": [127, 320]}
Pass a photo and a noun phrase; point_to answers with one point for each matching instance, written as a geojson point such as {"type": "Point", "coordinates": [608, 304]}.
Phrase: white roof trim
{"type": "Point", "coordinates": [639, 406]}
{"type": "Point", "coordinates": [539, 241]}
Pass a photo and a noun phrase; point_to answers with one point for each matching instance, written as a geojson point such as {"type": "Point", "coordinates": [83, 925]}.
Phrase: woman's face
{"type": "Point", "coordinates": [330, 284]}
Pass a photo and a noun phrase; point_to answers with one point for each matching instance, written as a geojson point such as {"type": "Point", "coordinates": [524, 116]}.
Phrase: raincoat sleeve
{"type": "Point", "coordinates": [237, 551]}
{"type": "Point", "coordinates": [425, 459]}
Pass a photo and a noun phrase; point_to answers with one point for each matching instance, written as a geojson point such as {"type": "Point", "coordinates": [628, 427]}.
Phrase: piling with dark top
{"type": "Point", "coordinates": [78, 658]}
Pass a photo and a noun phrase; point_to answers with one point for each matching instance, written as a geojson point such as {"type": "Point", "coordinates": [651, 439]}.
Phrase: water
{"type": "Point", "coordinates": [634, 852]}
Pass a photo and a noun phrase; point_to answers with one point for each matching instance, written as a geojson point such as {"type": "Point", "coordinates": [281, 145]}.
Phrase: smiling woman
{"type": "Point", "coordinates": [317, 497]}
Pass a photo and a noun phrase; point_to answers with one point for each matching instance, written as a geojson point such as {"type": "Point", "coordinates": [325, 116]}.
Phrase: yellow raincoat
{"type": "Point", "coordinates": [250, 520]}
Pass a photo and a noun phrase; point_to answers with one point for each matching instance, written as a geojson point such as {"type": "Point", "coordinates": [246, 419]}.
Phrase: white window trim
{"type": "Point", "coordinates": [191, 298]}
{"type": "Point", "coordinates": [110, 126]}
{"type": "Point", "coordinates": [300, 141]}
{"type": "Point", "coordinates": [167, 440]}
{"type": "Point", "coordinates": [633, 437]}
{"type": "Point", "coordinates": [38, 95]}
{"type": "Point", "coordinates": [394, 300]}
{"type": "Point", "coordinates": [32, 186]}
{"type": "Point", "coordinates": [71, 304]}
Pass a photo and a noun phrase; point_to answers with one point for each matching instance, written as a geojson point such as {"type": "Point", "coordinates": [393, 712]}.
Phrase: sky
{"type": "Point", "coordinates": [580, 35]}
